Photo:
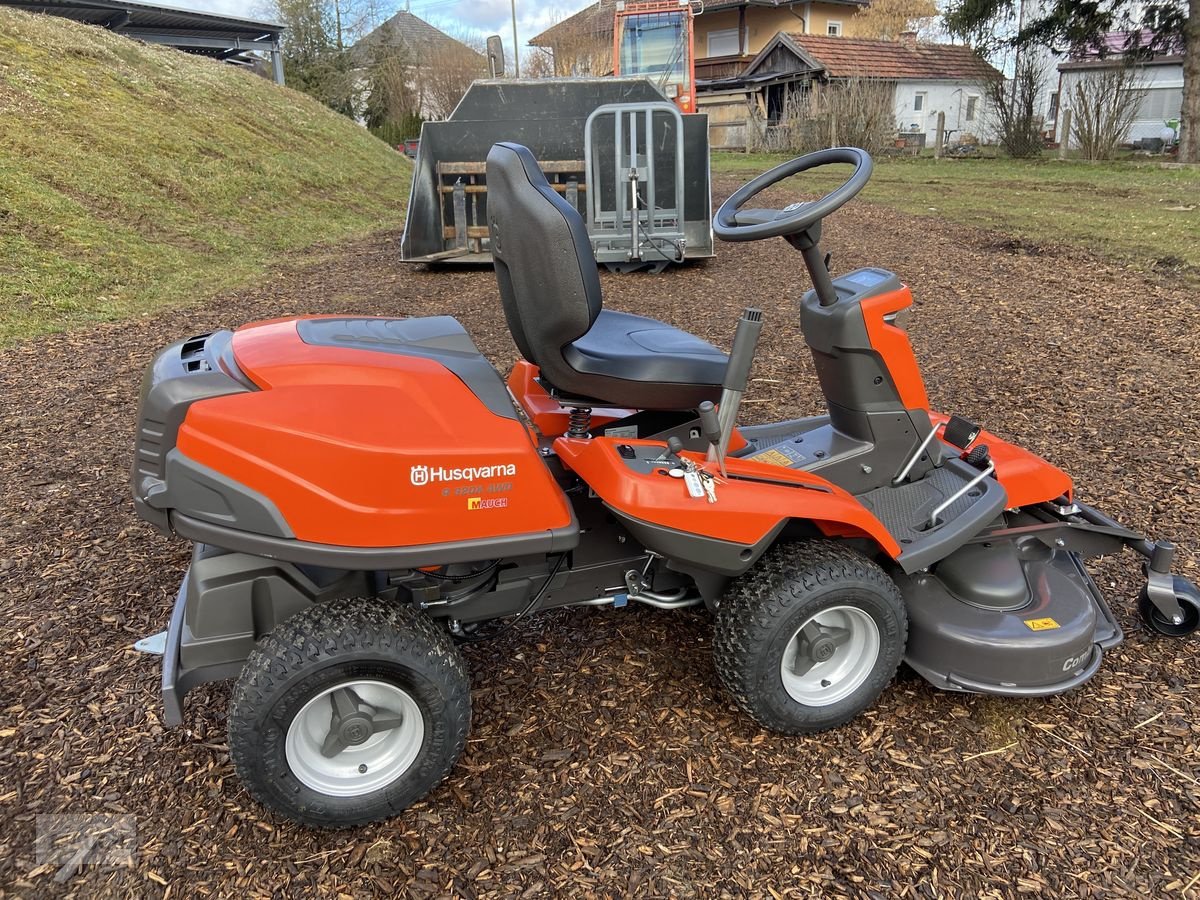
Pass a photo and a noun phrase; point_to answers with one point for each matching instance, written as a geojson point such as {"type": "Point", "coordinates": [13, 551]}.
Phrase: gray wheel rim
{"type": "Point", "coordinates": [830, 656]}
{"type": "Point", "coordinates": [355, 738]}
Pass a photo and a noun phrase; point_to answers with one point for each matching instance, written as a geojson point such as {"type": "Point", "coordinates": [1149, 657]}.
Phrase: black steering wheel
{"type": "Point", "coordinates": [732, 223]}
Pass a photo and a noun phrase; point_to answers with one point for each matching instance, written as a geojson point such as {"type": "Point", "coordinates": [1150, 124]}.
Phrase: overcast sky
{"type": "Point", "coordinates": [482, 16]}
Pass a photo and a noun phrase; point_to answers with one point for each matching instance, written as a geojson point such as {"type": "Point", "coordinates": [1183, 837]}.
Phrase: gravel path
{"type": "Point", "coordinates": [604, 760]}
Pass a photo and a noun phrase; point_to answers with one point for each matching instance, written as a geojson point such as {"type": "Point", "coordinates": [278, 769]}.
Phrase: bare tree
{"type": "Point", "coordinates": [579, 50]}
{"type": "Point", "coordinates": [538, 63]}
{"type": "Point", "coordinates": [857, 112]}
{"type": "Point", "coordinates": [1014, 107]}
{"type": "Point", "coordinates": [393, 101]}
{"type": "Point", "coordinates": [316, 47]}
{"type": "Point", "coordinates": [1104, 104]}
{"type": "Point", "coordinates": [445, 73]}
{"type": "Point", "coordinates": [888, 19]}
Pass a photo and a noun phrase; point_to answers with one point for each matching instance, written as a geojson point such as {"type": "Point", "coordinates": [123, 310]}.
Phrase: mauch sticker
{"type": "Point", "coordinates": [1041, 624]}
{"type": "Point", "coordinates": [474, 503]}
{"type": "Point", "coordinates": [783, 455]}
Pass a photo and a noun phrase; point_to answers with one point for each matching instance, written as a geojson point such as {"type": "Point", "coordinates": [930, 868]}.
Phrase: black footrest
{"type": "Point", "coordinates": [906, 511]}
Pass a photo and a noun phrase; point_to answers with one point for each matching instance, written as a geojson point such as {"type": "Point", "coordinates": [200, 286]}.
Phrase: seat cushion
{"type": "Point", "coordinates": [644, 363]}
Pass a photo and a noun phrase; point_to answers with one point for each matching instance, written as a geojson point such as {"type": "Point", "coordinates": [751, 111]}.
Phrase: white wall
{"type": "Point", "coordinates": [1164, 86]}
{"type": "Point", "coordinates": [941, 96]}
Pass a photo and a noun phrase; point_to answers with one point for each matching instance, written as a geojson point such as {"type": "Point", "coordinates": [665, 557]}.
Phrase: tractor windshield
{"type": "Point", "coordinates": [655, 46]}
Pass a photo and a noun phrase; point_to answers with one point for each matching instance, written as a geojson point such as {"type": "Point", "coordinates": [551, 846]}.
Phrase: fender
{"type": "Point", "coordinates": [753, 504]}
{"type": "Point", "coordinates": [1026, 477]}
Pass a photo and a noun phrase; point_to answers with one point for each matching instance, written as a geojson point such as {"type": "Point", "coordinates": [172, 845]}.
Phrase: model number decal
{"type": "Point", "coordinates": [421, 475]}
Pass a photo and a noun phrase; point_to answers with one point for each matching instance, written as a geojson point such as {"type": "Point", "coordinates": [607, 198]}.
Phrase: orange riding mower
{"type": "Point", "coordinates": [364, 495]}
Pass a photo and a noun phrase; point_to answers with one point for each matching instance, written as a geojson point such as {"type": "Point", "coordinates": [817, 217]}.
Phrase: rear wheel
{"type": "Point", "coordinates": [349, 712]}
{"type": "Point", "coordinates": [810, 637]}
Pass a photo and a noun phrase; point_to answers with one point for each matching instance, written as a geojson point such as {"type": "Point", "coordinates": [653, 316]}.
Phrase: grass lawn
{"type": "Point", "coordinates": [136, 176]}
{"type": "Point", "coordinates": [1140, 214]}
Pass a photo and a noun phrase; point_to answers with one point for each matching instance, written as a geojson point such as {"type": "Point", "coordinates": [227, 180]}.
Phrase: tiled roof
{"type": "Point", "coordinates": [844, 57]}
{"type": "Point", "coordinates": [596, 19]}
{"type": "Point", "coordinates": [1112, 48]}
{"type": "Point", "coordinates": [415, 34]}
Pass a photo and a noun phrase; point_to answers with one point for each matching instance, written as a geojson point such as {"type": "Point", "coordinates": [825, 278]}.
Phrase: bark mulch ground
{"type": "Point", "coordinates": [605, 760]}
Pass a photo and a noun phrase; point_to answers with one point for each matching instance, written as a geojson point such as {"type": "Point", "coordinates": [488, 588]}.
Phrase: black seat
{"type": "Point", "coordinates": [551, 293]}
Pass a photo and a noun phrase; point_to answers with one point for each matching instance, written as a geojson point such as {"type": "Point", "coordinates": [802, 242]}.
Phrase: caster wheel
{"type": "Point", "coordinates": [349, 712]}
{"type": "Point", "coordinates": [810, 637]}
{"type": "Point", "coordinates": [1156, 621]}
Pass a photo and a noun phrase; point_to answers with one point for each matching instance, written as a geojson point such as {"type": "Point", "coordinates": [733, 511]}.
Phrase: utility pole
{"type": "Point", "coordinates": [516, 53]}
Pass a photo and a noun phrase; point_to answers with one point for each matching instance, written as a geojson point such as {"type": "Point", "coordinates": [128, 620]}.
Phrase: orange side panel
{"type": "Point", "coordinates": [744, 511]}
{"type": "Point", "coordinates": [893, 345]}
{"type": "Point", "coordinates": [367, 449]}
{"type": "Point", "coordinates": [1027, 478]}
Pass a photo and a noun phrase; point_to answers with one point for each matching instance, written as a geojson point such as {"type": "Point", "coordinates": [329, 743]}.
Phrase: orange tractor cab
{"type": "Point", "coordinates": [364, 494]}
{"type": "Point", "coordinates": [655, 39]}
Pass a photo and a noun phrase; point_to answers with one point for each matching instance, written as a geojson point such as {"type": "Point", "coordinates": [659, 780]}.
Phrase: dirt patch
{"type": "Point", "coordinates": [604, 759]}
{"type": "Point", "coordinates": [1018, 246]}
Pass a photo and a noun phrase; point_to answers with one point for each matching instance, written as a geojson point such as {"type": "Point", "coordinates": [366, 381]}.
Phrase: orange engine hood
{"type": "Point", "coordinates": [376, 433]}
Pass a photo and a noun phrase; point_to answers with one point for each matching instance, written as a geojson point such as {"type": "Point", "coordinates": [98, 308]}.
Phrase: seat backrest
{"type": "Point", "coordinates": [545, 267]}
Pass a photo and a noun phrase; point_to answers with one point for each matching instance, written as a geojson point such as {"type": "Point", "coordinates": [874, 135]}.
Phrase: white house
{"type": "Point", "coordinates": [1159, 76]}
{"type": "Point", "coordinates": [926, 78]}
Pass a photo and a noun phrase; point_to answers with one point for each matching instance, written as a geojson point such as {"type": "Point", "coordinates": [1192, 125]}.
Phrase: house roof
{"type": "Point", "coordinates": [416, 35]}
{"type": "Point", "coordinates": [843, 57]}
{"type": "Point", "coordinates": [1113, 46]}
{"type": "Point", "coordinates": [596, 19]}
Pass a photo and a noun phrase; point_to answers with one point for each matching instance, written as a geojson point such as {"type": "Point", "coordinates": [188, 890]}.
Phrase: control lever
{"type": "Point", "coordinates": [737, 374]}
{"type": "Point", "coordinates": [710, 427]}
{"type": "Point", "coordinates": [689, 473]}
{"type": "Point", "coordinates": [674, 448]}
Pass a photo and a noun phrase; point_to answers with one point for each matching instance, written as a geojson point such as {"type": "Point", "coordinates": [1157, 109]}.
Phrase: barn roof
{"type": "Point", "coordinates": [844, 57]}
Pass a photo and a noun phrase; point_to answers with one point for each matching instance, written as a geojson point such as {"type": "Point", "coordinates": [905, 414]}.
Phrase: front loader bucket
{"type": "Point", "coordinates": [447, 209]}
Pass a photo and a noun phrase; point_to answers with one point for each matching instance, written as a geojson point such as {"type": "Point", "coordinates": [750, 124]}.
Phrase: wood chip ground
{"type": "Point", "coordinates": [605, 760]}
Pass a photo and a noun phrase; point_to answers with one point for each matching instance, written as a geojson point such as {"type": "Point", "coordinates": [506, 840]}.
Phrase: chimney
{"type": "Point", "coordinates": [908, 39]}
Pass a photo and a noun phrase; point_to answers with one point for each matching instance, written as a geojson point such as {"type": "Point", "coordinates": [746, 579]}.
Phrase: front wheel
{"type": "Point", "coordinates": [810, 637]}
{"type": "Point", "coordinates": [1189, 605]}
{"type": "Point", "coordinates": [349, 712]}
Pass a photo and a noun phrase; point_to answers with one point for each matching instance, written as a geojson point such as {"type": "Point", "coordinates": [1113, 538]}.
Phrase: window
{"type": "Point", "coordinates": [1052, 107]}
{"type": "Point", "coordinates": [833, 28]}
{"type": "Point", "coordinates": [972, 108]}
{"type": "Point", "coordinates": [919, 102]}
{"type": "Point", "coordinates": [1161, 104]}
{"type": "Point", "coordinates": [724, 43]}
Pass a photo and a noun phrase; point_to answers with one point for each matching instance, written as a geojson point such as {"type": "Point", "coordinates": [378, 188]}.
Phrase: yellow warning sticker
{"type": "Point", "coordinates": [773, 458]}
{"type": "Point", "coordinates": [1041, 624]}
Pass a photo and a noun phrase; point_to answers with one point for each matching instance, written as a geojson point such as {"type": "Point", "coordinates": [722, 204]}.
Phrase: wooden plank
{"type": "Point", "coordinates": [551, 167]}
{"type": "Point", "coordinates": [473, 231]}
{"type": "Point", "coordinates": [482, 188]}
{"type": "Point", "coordinates": [461, 168]}
{"type": "Point", "coordinates": [445, 254]}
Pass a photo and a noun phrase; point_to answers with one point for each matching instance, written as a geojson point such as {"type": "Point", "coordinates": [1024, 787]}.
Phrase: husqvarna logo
{"type": "Point", "coordinates": [420, 475]}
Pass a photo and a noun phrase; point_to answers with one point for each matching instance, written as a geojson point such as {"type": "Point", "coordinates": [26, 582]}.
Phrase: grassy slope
{"type": "Point", "coordinates": [1123, 210]}
{"type": "Point", "coordinates": [134, 176]}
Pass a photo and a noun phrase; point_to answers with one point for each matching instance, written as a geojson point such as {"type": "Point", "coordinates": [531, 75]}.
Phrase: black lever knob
{"type": "Point", "coordinates": [674, 447]}
{"type": "Point", "coordinates": [709, 426]}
